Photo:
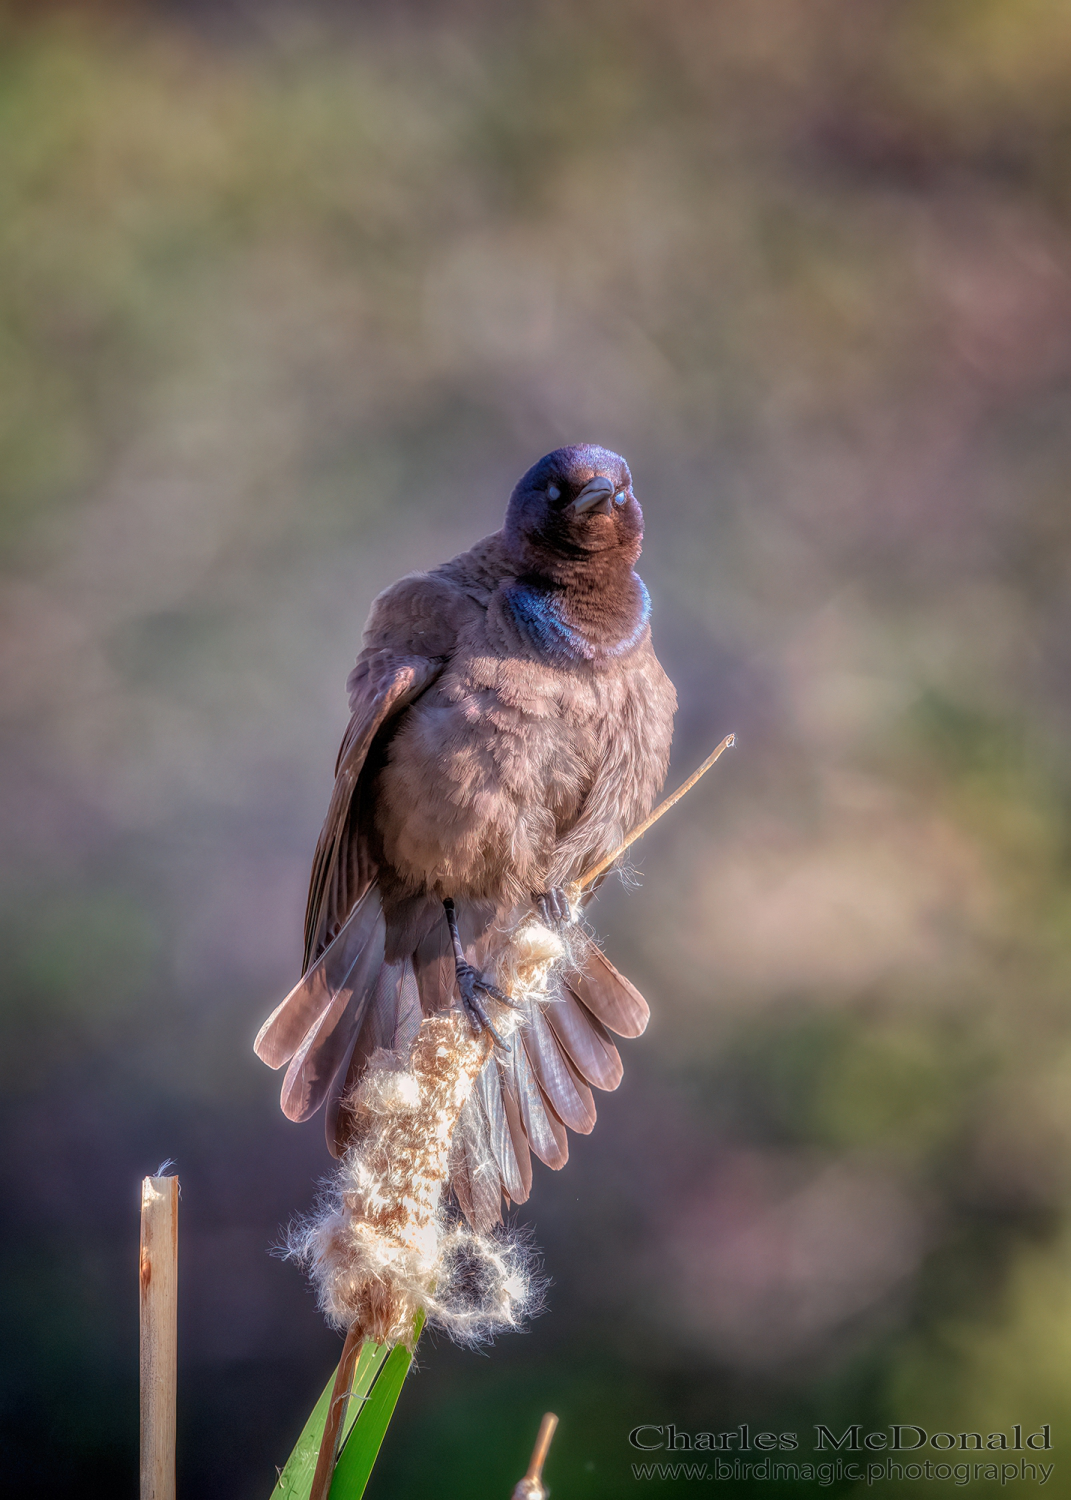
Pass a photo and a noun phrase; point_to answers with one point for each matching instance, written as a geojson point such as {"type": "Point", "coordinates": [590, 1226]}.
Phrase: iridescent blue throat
{"type": "Point", "coordinates": [538, 615]}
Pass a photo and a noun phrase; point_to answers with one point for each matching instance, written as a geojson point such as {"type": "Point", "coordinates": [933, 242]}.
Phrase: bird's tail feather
{"type": "Point", "coordinates": [314, 1027]}
{"type": "Point", "coordinates": [616, 1002]}
{"type": "Point", "coordinates": [354, 1002]}
{"type": "Point", "coordinates": [282, 1033]}
{"type": "Point", "coordinates": [514, 1165]}
{"type": "Point", "coordinates": [568, 1094]}
{"type": "Point", "coordinates": [476, 1173]}
{"type": "Point", "coordinates": [545, 1133]}
{"type": "Point", "coordinates": [390, 1023]}
{"type": "Point", "coordinates": [584, 1040]}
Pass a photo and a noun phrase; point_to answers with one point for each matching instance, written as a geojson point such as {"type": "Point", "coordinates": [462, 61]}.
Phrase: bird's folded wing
{"type": "Point", "coordinates": [381, 685]}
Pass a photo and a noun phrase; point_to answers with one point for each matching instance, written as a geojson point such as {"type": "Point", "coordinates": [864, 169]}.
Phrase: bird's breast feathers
{"type": "Point", "coordinates": [493, 765]}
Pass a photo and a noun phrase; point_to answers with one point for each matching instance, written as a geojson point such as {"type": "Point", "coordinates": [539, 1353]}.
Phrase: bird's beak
{"type": "Point", "coordinates": [597, 494]}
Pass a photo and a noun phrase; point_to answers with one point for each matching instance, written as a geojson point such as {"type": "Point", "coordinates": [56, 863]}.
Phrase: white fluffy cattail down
{"type": "Point", "coordinates": [387, 1241]}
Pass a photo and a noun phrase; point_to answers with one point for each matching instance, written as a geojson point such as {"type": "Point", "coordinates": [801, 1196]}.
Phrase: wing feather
{"type": "Point", "coordinates": [381, 685]}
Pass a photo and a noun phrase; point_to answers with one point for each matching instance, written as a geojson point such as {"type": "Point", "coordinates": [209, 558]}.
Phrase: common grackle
{"type": "Point", "coordinates": [510, 723]}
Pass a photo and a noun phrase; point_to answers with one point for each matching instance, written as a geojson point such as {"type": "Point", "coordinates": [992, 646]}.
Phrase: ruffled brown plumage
{"type": "Point", "coordinates": [510, 723]}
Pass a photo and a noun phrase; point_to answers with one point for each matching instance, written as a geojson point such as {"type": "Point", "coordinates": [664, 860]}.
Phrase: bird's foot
{"type": "Point", "coordinates": [471, 984]}
{"type": "Point", "coordinates": [553, 908]}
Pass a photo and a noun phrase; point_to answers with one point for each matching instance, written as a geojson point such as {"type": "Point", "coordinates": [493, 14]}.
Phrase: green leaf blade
{"type": "Point", "coordinates": [295, 1481]}
{"type": "Point", "coordinates": [356, 1461]}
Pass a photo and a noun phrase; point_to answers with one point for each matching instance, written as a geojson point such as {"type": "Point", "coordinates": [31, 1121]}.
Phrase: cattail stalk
{"type": "Point", "coordinates": [336, 1411]}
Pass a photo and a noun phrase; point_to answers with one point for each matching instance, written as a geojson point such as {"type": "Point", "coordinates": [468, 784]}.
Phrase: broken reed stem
{"type": "Point", "coordinates": [663, 807]}
{"type": "Point", "coordinates": [325, 1459]}
{"type": "Point", "coordinates": [531, 1487]}
{"type": "Point", "coordinates": [158, 1277]}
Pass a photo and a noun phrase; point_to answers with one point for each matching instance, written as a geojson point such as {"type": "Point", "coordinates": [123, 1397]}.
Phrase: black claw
{"type": "Point", "coordinates": [469, 984]}
{"type": "Point", "coordinates": [553, 907]}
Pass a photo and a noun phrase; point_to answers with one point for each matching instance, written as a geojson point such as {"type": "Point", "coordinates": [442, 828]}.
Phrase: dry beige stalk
{"type": "Point", "coordinates": [652, 818]}
{"type": "Point", "coordinates": [531, 1487]}
{"type": "Point", "coordinates": [159, 1335]}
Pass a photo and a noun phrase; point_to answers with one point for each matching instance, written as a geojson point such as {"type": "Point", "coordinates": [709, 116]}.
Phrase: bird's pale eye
{"type": "Point", "coordinates": [621, 497]}
{"type": "Point", "coordinates": [553, 492]}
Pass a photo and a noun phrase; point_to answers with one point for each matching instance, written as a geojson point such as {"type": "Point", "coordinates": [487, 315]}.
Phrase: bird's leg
{"type": "Point", "coordinates": [553, 907]}
{"type": "Point", "coordinates": [470, 981]}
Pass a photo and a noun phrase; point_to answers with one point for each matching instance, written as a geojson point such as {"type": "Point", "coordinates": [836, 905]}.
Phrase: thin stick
{"type": "Point", "coordinates": [159, 1335]}
{"type": "Point", "coordinates": [663, 807]}
{"type": "Point", "coordinates": [325, 1459]}
{"type": "Point", "coordinates": [531, 1486]}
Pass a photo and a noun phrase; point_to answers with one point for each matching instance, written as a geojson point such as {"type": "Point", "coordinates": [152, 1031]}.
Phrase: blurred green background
{"type": "Point", "coordinates": [289, 296]}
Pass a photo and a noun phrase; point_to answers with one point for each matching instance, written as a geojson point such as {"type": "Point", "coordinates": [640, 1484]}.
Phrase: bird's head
{"type": "Point", "coordinates": [572, 504]}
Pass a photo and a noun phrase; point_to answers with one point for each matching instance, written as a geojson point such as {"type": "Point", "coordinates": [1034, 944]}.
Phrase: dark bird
{"type": "Point", "coordinates": [510, 724]}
